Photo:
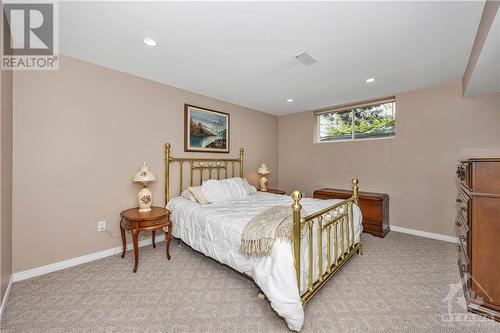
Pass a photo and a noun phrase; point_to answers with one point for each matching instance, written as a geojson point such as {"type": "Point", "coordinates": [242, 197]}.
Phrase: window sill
{"type": "Point", "coordinates": [357, 140]}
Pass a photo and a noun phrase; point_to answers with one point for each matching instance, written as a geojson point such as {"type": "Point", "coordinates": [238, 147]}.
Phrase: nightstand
{"type": "Point", "coordinates": [273, 190]}
{"type": "Point", "coordinates": [157, 218]}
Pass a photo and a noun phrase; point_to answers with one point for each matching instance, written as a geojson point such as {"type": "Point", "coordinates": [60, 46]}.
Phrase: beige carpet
{"type": "Point", "coordinates": [400, 284]}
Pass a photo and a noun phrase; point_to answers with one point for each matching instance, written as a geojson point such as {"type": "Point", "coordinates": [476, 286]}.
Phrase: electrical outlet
{"type": "Point", "coordinates": [101, 225]}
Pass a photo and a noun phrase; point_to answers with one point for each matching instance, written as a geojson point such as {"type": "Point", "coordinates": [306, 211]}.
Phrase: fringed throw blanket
{"type": "Point", "coordinates": [261, 231]}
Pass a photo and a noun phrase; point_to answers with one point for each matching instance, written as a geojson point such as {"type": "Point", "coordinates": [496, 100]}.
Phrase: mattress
{"type": "Point", "coordinates": [215, 230]}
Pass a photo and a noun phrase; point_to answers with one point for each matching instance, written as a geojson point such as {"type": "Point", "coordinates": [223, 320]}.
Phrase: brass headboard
{"type": "Point", "coordinates": [213, 165]}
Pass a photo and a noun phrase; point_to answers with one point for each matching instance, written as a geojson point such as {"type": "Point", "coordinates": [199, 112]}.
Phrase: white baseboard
{"type": "Point", "coordinates": [19, 276]}
{"type": "Point", "coordinates": [426, 234]}
{"type": "Point", "coordinates": [6, 297]}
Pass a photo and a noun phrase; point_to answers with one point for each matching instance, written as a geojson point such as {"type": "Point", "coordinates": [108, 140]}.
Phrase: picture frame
{"type": "Point", "coordinates": [206, 130]}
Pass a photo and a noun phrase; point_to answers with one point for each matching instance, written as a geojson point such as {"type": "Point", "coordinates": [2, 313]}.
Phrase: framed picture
{"type": "Point", "coordinates": [205, 130]}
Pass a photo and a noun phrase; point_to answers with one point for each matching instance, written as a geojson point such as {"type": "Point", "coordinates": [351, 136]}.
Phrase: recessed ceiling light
{"type": "Point", "coordinates": [289, 100]}
{"type": "Point", "coordinates": [370, 80]}
{"type": "Point", "coordinates": [150, 42]}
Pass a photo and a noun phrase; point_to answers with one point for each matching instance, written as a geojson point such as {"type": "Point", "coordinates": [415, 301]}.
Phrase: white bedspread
{"type": "Point", "coordinates": [215, 230]}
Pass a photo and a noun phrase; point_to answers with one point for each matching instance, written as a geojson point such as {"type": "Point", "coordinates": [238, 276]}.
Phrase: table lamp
{"type": "Point", "coordinates": [145, 196]}
{"type": "Point", "coordinates": [263, 171]}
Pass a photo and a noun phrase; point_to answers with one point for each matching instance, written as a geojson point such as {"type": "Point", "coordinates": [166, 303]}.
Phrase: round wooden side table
{"type": "Point", "coordinates": [157, 218]}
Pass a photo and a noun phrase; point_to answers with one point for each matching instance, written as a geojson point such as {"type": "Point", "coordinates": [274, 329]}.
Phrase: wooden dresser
{"type": "Point", "coordinates": [374, 206]}
{"type": "Point", "coordinates": [478, 228]}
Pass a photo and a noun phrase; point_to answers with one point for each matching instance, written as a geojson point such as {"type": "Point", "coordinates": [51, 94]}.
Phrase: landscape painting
{"type": "Point", "coordinates": [205, 130]}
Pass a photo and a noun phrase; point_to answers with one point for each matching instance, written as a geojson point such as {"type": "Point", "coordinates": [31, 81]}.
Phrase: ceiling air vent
{"type": "Point", "coordinates": [306, 59]}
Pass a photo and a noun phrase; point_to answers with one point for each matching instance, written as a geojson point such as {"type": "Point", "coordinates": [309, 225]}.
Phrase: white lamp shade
{"type": "Point", "coordinates": [144, 175]}
{"type": "Point", "coordinates": [263, 170]}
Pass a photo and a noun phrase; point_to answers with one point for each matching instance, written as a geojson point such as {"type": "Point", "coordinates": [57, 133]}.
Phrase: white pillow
{"type": "Point", "coordinates": [218, 191]}
{"type": "Point", "coordinates": [198, 194]}
{"type": "Point", "coordinates": [186, 194]}
{"type": "Point", "coordinates": [250, 188]}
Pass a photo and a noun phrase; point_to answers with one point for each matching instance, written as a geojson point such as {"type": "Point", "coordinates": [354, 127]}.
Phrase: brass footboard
{"type": "Point", "coordinates": [337, 221]}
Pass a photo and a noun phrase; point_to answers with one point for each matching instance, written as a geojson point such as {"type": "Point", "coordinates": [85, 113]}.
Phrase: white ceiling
{"type": "Point", "coordinates": [244, 52]}
{"type": "Point", "coordinates": [485, 78]}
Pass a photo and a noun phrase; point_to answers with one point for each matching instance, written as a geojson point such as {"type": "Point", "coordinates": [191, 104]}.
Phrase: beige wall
{"type": "Point", "coordinates": [5, 177]}
{"type": "Point", "coordinates": [435, 128]}
{"type": "Point", "coordinates": [79, 135]}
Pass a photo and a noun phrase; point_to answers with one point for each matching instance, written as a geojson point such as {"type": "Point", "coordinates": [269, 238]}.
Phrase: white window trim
{"type": "Point", "coordinates": [356, 140]}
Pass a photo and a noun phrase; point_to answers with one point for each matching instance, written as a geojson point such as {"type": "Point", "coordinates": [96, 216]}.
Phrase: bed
{"type": "Point", "coordinates": [327, 235]}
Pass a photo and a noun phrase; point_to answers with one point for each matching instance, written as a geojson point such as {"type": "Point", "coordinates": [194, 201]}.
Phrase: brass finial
{"type": "Point", "coordinates": [242, 150]}
{"type": "Point", "coordinates": [355, 187]}
{"type": "Point", "coordinates": [296, 196]}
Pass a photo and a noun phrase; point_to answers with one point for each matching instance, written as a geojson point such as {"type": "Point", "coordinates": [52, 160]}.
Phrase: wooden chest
{"type": "Point", "coordinates": [374, 206]}
{"type": "Point", "coordinates": [478, 229]}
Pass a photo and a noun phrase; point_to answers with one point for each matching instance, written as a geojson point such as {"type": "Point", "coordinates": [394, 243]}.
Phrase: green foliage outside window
{"type": "Point", "coordinates": [372, 121]}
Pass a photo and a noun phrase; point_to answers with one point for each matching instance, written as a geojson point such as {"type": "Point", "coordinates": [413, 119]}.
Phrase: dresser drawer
{"type": "Point", "coordinates": [463, 202]}
{"type": "Point", "coordinates": [464, 268]}
{"type": "Point", "coordinates": [463, 234]}
{"type": "Point", "coordinates": [463, 261]}
{"type": "Point", "coordinates": [461, 225]}
{"type": "Point", "coordinates": [463, 174]}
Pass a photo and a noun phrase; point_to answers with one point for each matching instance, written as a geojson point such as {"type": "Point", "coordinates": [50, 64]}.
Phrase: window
{"type": "Point", "coordinates": [375, 119]}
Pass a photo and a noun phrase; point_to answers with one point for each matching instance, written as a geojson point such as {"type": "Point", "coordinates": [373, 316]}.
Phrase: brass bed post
{"type": "Point", "coordinates": [241, 163]}
{"type": "Point", "coordinates": [167, 172]}
{"type": "Point", "coordinates": [320, 248]}
{"type": "Point", "coordinates": [296, 207]}
{"type": "Point", "coordinates": [310, 281]}
{"type": "Point", "coordinates": [181, 163]}
{"type": "Point", "coordinates": [355, 196]}
{"type": "Point", "coordinates": [355, 190]}
{"type": "Point", "coordinates": [191, 173]}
